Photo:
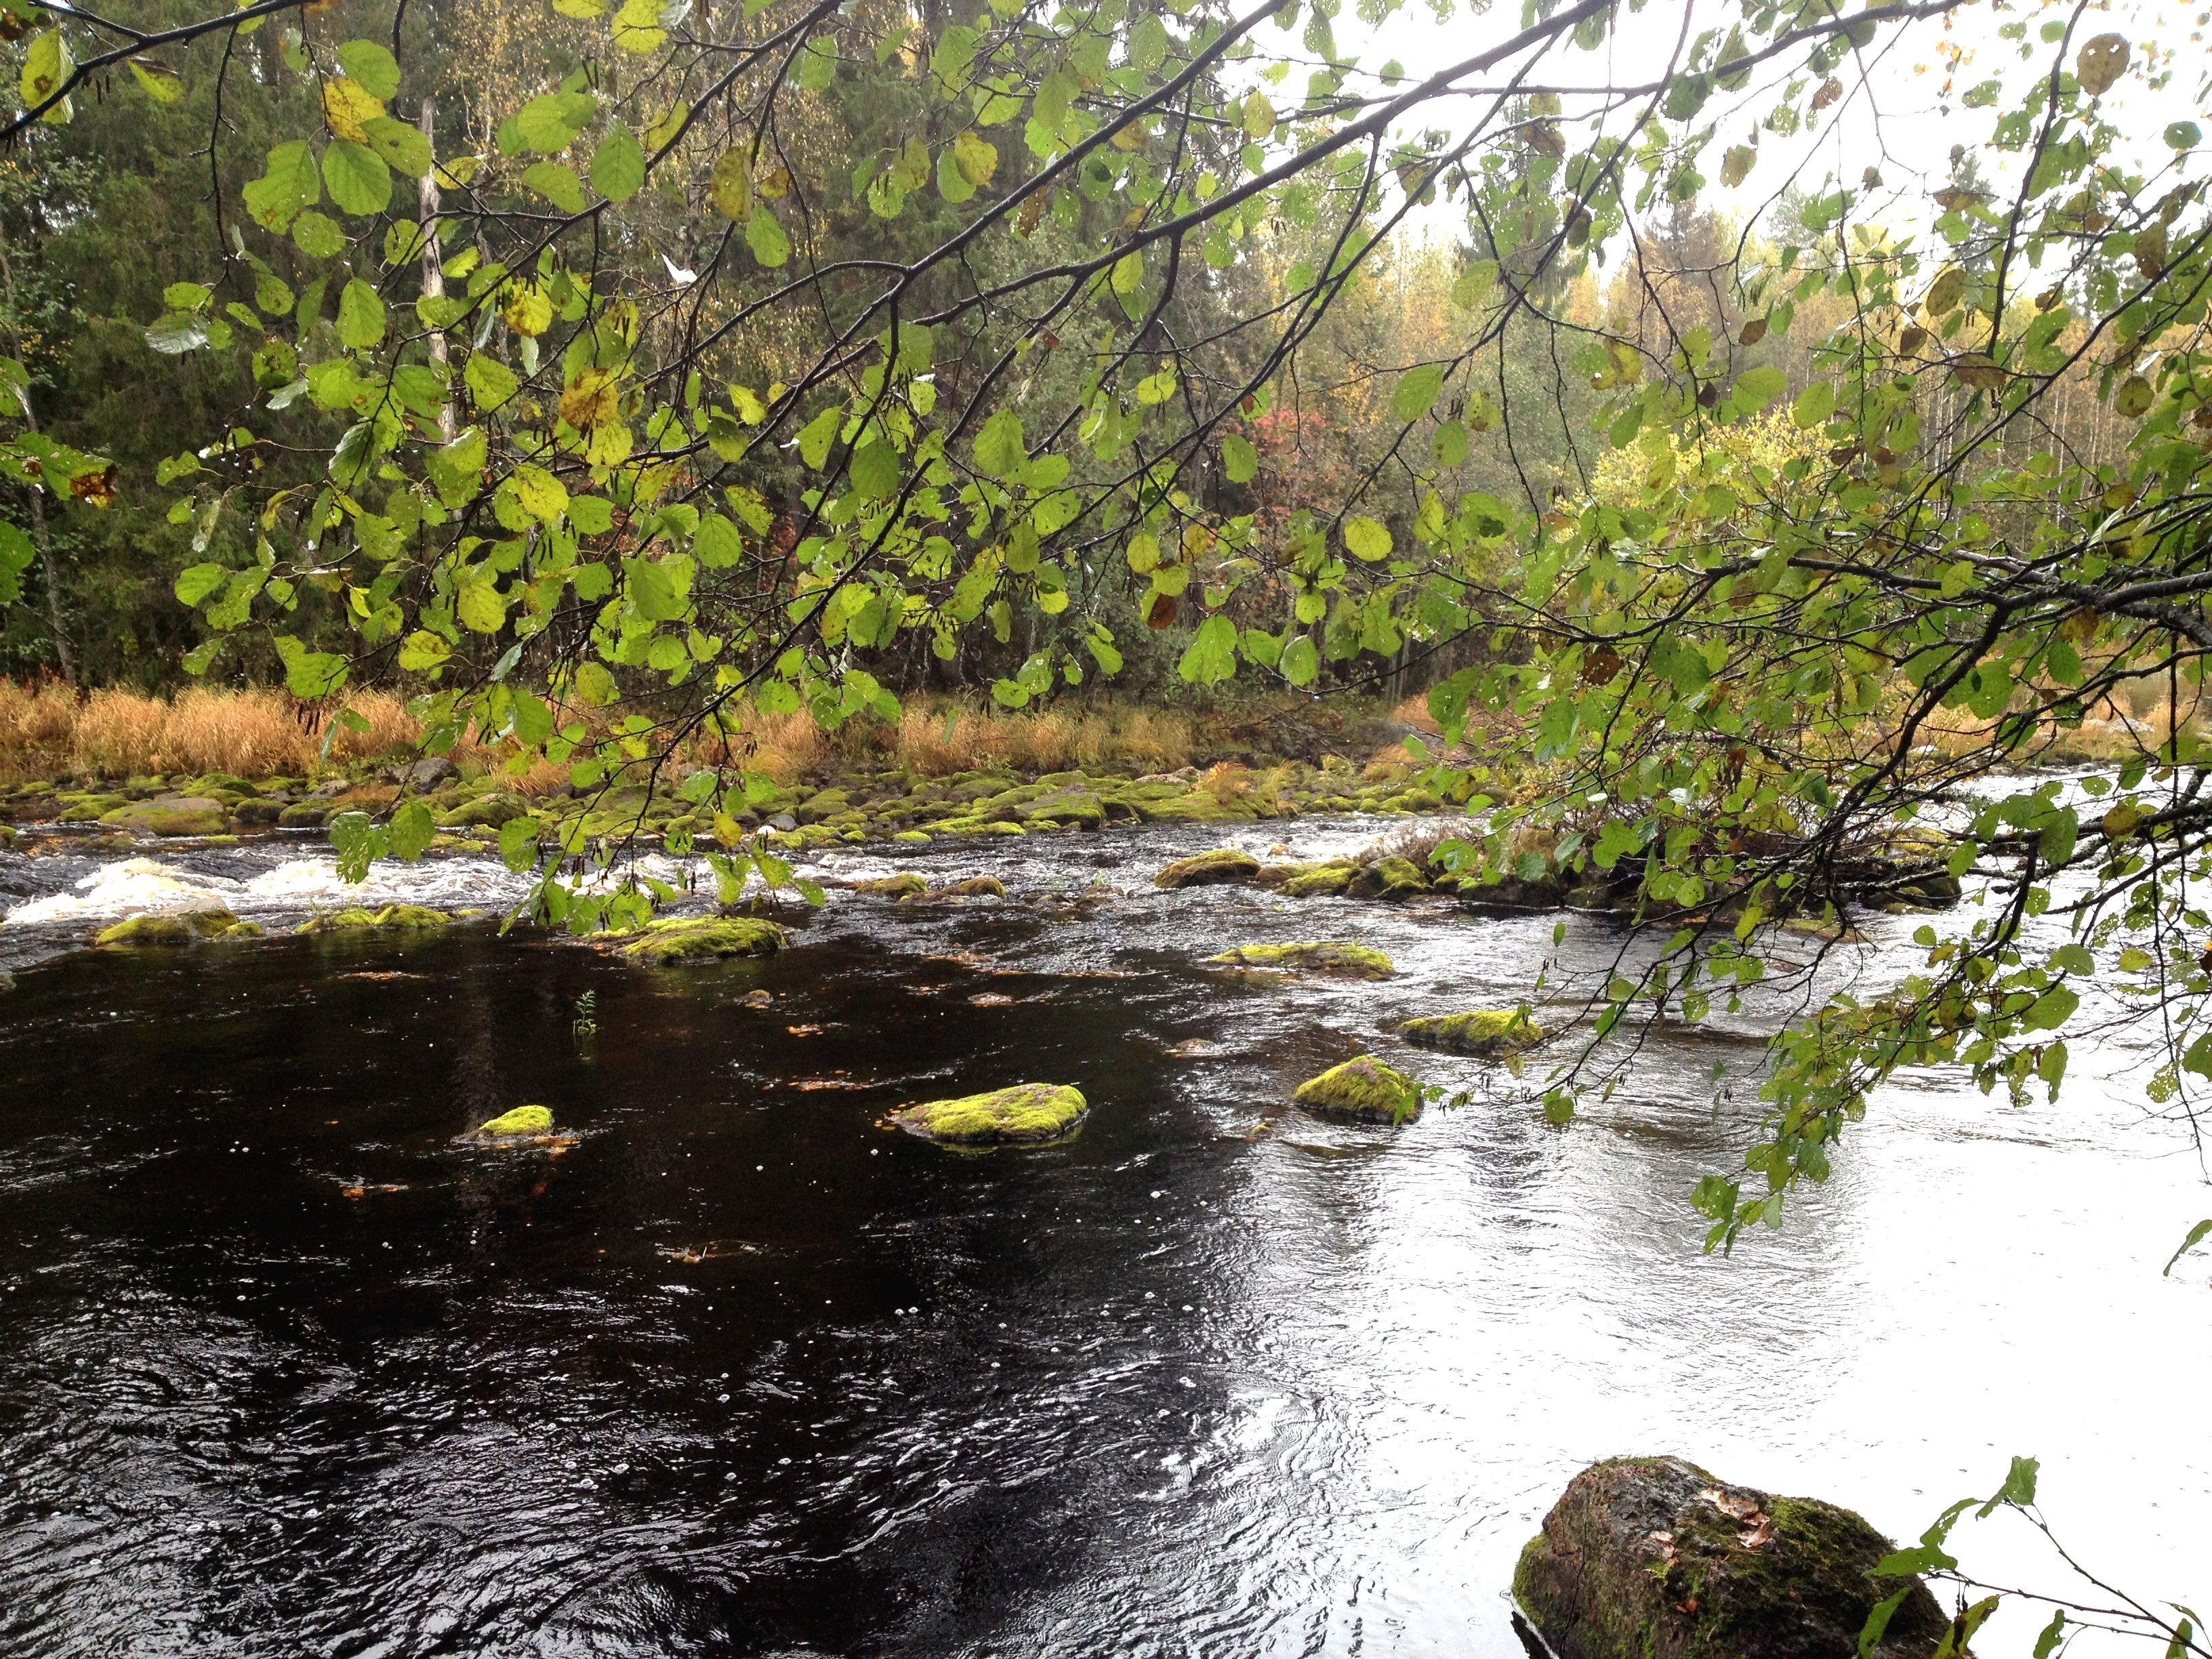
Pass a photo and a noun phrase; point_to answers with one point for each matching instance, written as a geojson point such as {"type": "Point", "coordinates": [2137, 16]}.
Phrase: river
{"type": "Point", "coordinates": [286, 1369]}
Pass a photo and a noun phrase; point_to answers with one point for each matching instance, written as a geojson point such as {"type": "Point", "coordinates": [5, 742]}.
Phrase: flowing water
{"type": "Point", "coordinates": [285, 1369]}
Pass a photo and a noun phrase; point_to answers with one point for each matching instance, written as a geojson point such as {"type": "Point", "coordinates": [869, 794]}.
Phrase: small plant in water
{"type": "Point", "coordinates": [587, 1014]}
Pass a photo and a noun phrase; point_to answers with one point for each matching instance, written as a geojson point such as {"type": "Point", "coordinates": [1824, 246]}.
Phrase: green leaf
{"type": "Point", "coordinates": [2197, 1234]}
{"type": "Point", "coordinates": [491, 382]}
{"type": "Point", "coordinates": [618, 166]}
{"type": "Point", "coordinates": [47, 67]}
{"type": "Point", "coordinates": [1756, 388]}
{"type": "Point", "coordinates": [548, 123]}
{"type": "Point", "coordinates": [877, 469]}
{"type": "Point", "coordinates": [318, 235]}
{"type": "Point", "coordinates": [998, 449]}
{"type": "Point", "coordinates": [373, 65]}
{"type": "Point", "coordinates": [480, 606]}
{"type": "Point", "coordinates": [309, 674]}
{"type": "Point", "coordinates": [1814, 405]}
{"type": "Point", "coordinates": [1239, 460]}
{"type": "Point", "coordinates": [288, 186]}
{"type": "Point", "coordinates": [197, 581]}
{"type": "Point", "coordinates": [543, 496]}
{"type": "Point", "coordinates": [953, 184]}
{"type": "Point", "coordinates": [360, 316]}
{"type": "Point", "coordinates": [557, 184]}
{"type": "Point", "coordinates": [765, 237]}
{"type": "Point", "coordinates": [178, 332]}
{"type": "Point", "coordinates": [817, 434]}
{"type": "Point", "coordinates": [1301, 660]}
{"type": "Point", "coordinates": [1367, 539]}
{"type": "Point", "coordinates": [162, 84]}
{"type": "Point", "coordinates": [358, 843]}
{"type": "Point", "coordinates": [1212, 654]}
{"type": "Point", "coordinates": [518, 843]}
{"type": "Point", "coordinates": [412, 830]}
{"type": "Point", "coordinates": [403, 146]}
{"type": "Point", "coordinates": [422, 650]}
{"type": "Point", "coordinates": [358, 181]}
{"type": "Point", "coordinates": [1417, 391]}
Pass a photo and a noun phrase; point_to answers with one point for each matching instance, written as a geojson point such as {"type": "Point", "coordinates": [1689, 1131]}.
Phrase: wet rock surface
{"type": "Point", "coordinates": [1653, 1558]}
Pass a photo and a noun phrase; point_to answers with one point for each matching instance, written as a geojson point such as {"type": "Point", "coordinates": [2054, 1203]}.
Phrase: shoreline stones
{"type": "Point", "coordinates": [1340, 960]}
{"type": "Point", "coordinates": [1479, 1031]}
{"type": "Point", "coordinates": [1652, 1558]}
{"type": "Point", "coordinates": [675, 941]}
{"type": "Point", "coordinates": [1365, 1089]}
{"type": "Point", "coordinates": [1027, 1112]}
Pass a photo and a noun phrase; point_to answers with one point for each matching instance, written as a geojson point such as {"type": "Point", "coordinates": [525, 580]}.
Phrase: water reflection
{"type": "Point", "coordinates": [741, 1372]}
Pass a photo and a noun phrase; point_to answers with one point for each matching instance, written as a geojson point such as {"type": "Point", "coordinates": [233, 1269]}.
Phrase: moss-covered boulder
{"type": "Point", "coordinates": [1365, 1089]}
{"type": "Point", "coordinates": [178, 928]}
{"type": "Point", "coordinates": [904, 885]}
{"type": "Point", "coordinates": [1345, 961]}
{"type": "Point", "coordinates": [1223, 865]}
{"type": "Point", "coordinates": [673, 941]}
{"type": "Point", "coordinates": [1026, 1112]}
{"type": "Point", "coordinates": [399, 918]}
{"type": "Point", "coordinates": [171, 815]}
{"type": "Point", "coordinates": [1320, 880]}
{"type": "Point", "coordinates": [1652, 1558]}
{"type": "Point", "coordinates": [492, 811]}
{"type": "Point", "coordinates": [1393, 877]}
{"type": "Point", "coordinates": [1190, 807]}
{"type": "Point", "coordinates": [522, 1121]}
{"type": "Point", "coordinates": [1479, 1031]}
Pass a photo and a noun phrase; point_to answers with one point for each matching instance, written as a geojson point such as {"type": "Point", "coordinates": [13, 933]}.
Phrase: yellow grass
{"type": "Point", "coordinates": [46, 731]}
{"type": "Point", "coordinates": [934, 739]}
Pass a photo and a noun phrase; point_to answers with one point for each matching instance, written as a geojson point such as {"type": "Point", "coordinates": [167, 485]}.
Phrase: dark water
{"type": "Point", "coordinates": [284, 1370]}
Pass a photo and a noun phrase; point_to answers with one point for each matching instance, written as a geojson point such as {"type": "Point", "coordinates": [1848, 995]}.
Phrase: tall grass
{"type": "Point", "coordinates": [46, 732]}
{"type": "Point", "coordinates": [934, 739]}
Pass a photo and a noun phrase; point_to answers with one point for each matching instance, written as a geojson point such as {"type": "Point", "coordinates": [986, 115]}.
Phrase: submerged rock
{"type": "Point", "coordinates": [1025, 1112]}
{"type": "Point", "coordinates": [974, 887]}
{"type": "Point", "coordinates": [1319, 880]}
{"type": "Point", "coordinates": [671, 941]}
{"type": "Point", "coordinates": [178, 927]}
{"type": "Point", "coordinates": [1222, 866]}
{"type": "Point", "coordinates": [357, 918]}
{"type": "Point", "coordinates": [1652, 1558]}
{"type": "Point", "coordinates": [1479, 1031]}
{"type": "Point", "coordinates": [904, 885]}
{"type": "Point", "coordinates": [1347, 961]}
{"type": "Point", "coordinates": [1364, 1089]}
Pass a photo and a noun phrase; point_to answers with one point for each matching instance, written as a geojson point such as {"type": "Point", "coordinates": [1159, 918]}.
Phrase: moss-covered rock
{"type": "Point", "coordinates": [404, 918]}
{"type": "Point", "coordinates": [1479, 1031]}
{"type": "Point", "coordinates": [1364, 1089]}
{"type": "Point", "coordinates": [522, 1121]}
{"type": "Point", "coordinates": [1346, 960]}
{"type": "Point", "coordinates": [1026, 1112]}
{"type": "Point", "coordinates": [904, 885]}
{"type": "Point", "coordinates": [671, 941]}
{"type": "Point", "coordinates": [1393, 877]}
{"type": "Point", "coordinates": [973, 887]}
{"type": "Point", "coordinates": [1652, 1558]}
{"type": "Point", "coordinates": [178, 928]}
{"type": "Point", "coordinates": [1187, 806]}
{"type": "Point", "coordinates": [304, 814]}
{"type": "Point", "coordinates": [1223, 865]}
{"type": "Point", "coordinates": [171, 815]}
{"type": "Point", "coordinates": [491, 812]}
{"type": "Point", "coordinates": [1320, 880]}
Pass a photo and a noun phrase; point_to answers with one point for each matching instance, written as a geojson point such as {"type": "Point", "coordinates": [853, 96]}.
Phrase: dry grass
{"type": "Point", "coordinates": [45, 731]}
{"type": "Point", "coordinates": [933, 739]}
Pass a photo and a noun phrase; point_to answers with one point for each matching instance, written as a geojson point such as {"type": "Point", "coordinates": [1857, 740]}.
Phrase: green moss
{"type": "Point", "coordinates": [675, 940]}
{"type": "Point", "coordinates": [1479, 1031]}
{"type": "Point", "coordinates": [304, 814]}
{"type": "Point", "coordinates": [911, 836]}
{"type": "Point", "coordinates": [1026, 1112]}
{"type": "Point", "coordinates": [491, 811]}
{"type": "Point", "coordinates": [1189, 807]}
{"type": "Point", "coordinates": [1365, 1089]}
{"type": "Point", "coordinates": [1391, 878]}
{"type": "Point", "coordinates": [1348, 961]}
{"type": "Point", "coordinates": [974, 887]}
{"type": "Point", "coordinates": [173, 815]}
{"type": "Point", "coordinates": [1222, 864]}
{"type": "Point", "coordinates": [1320, 880]}
{"type": "Point", "coordinates": [354, 918]}
{"type": "Point", "coordinates": [522, 1121]}
{"type": "Point", "coordinates": [1655, 1559]}
{"type": "Point", "coordinates": [904, 885]}
{"type": "Point", "coordinates": [180, 927]}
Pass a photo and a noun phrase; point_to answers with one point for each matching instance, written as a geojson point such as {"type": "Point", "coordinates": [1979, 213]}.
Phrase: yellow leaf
{"type": "Point", "coordinates": [543, 495]}
{"type": "Point", "coordinates": [637, 26]}
{"type": "Point", "coordinates": [662, 133]}
{"type": "Point", "coordinates": [731, 186]}
{"type": "Point", "coordinates": [1259, 116]}
{"type": "Point", "coordinates": [975, 156]}
{"type": "Point", "coordinates": [346, 104]}
{"type": "Point", "coordinates": [590, 400]}
{"type": "Point", "coordinates": [528, 309]}
{"type": "Point", "coordinates": [774, 184]}
{"type": "Point", "coordinates": [585, 9]}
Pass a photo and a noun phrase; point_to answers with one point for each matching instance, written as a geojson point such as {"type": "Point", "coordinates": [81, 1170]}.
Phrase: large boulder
{"type": "Point", "coordinates": [1365, 1089]}
{"type": "Point", "coordinates": [1477, 1031]}
{"type": "Point", "coordinates": [171, 815]}
{"type": "Point", "coordinates": [1652, 1558]}
{"type": "Point", "coordinates": [1317, 956]}
{"type": "Point", "coordinates": [676, 941]}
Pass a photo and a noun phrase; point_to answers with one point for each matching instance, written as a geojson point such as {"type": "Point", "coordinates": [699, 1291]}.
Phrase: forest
{"type": "Point", "coordinates": [1672, 534]}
